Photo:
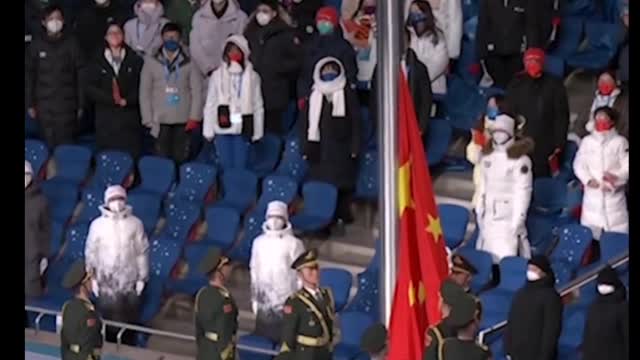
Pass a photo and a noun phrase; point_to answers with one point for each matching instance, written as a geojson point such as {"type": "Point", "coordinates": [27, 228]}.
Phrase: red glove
{"type": "Point", "coordinates": [301, 103]}
{"type": "Point", "coordinates": [478, 137]}
{"type": "Point", "coordinates": [192, 125]}
{"type": "Point", "coordinates": [556, 21]}
{"type": "Point", "coordinates": [554, 162]}
{"type": "Point", "coordinates": [475, 69]}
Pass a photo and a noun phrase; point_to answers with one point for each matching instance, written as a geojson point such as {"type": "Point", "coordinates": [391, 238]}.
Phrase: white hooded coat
{"type": "Point", "coordinates": [117, 250]}
{"type": "Point", "coordinates": [144, 32]}
{"type": "Point", "coordinates": [448, 14]}
{"type": "Point", "coordinates": [600, 153]}
{"type": "Point", "coordinates": [272, 279]}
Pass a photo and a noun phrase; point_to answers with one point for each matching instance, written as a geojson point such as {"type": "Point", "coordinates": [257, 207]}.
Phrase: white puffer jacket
{"type": "Point", "coordinates": [448, 14]}
{"type": "Point", "coordinates": [272, 279]}
{"type": "Point", "coordinates": [117, 250]}
{"type": "Point", "coordinates": [434, 57]}
{"type": "Point", "coordinates": [600, 153]}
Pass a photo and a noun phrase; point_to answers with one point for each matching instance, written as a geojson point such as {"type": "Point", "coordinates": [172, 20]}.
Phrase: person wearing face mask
{"type": "Point", "coordinates": [93, 21]}
{"type": "Point", "coordinates": [143, 32]}
{"type": "Point", "coordinates": [216, 312]}
{"type": "Point", "coordinates": [361, 32]}
{"type": "Point", "coordinates": [272, 279]}
{"type": "Point", "coordinates": [234, 110]}
{"type": "Point", "coordinates": [330, 133]}
{"type": "Point", "coordinates": [55, 94]}
{"type": "Point", "coordinates": [609, 94]}
{"type": "Point", "coordinates": [309, 314]}
{"type": "Point", "coordinates": [37, 233]}
{"type": "Point", "coordinates": [181, 12]}
{"type": "Point", "coordinates": [465, 321]}
{"type": "Point", "coordinates": [275, 55]}
{"type": "Point", "coordinates": [602, 166]}
{"type": "Point", "coordinates": [374, 342]}
{"type": "Point", "coordinates": [547, 117]}
{"type": "Point", "coordinates": [606, 332]}
{"type": "Point", "coordinates": [328, 41]}
{"type": "Point", "coordinates": [117, 254]}
{"type": "Point", "coordinates": [113, 82]}
{"type": "Point", "coordinates": [448, 18]}
{"type": "Point", "coordinates": [212, 24]}
{"type": "Point", "coordinates": [504, 199]}
{"type": "Point", "coordinates": [302, 14]}
{"type": "Point", "coordinates": [429, 44]}
{"type": "Point", "coordinates": [171, 99]}
{"type": "Point", "coordinates": [535, 317]}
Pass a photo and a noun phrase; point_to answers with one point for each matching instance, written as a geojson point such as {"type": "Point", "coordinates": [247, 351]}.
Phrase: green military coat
{"type": "Point", "coordinates": [81, 337]}
{"type": "Point", "coordinates": [456, 349]}
{"type": "Point", "coordinates": [435, 336]}
{"type": "Point", "coordinates": [216, 322]}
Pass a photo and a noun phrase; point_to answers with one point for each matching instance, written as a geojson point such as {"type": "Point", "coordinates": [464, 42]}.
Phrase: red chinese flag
{"type": "Point", "coordinates": [423, 259]}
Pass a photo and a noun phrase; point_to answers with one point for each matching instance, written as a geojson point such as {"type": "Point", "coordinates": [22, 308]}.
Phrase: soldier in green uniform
{"type": "Point", "coordinates": [81, 337]}
{"type": "Point", "coordinates": [309, 314]}
{"type": "Point", "coordinates": [450, 294]}
{"type": "Point", "coordinates": [462, 271]}
{"type": "Point", "coordinates": [374, 342]}
{"type": "Point", "coordinates": [465, 319]}
{"type": "Point", "coordinates": [216, 317]}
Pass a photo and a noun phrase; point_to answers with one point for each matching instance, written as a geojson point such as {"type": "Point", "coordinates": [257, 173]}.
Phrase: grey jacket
{"type": "Point", "coordinates": [156, 80]}
{"type": "Point", "coordinates": [36, 238]}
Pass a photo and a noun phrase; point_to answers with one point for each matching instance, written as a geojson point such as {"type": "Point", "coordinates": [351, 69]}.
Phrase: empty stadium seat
{"type": "Point", "coordinates": [368, 139]}
{"type": "Point", "coordinates": [352, 327]}
{"type": "Point", "coordinates": [180, 219]}
{"type": "Point", "coordinates": [57, 237]}
{"type": "Point", "coordinates": [157, 175]}
{"type": "Point", "coordinates": [554, 65]}
{"type": "Point", "coordinates": [112, 168]}
{"type": "Point", "coordinates": [264, 155]}
{"type": "Point", "coordinates": [464, 103]}
{"type": "Point", "coordinates": [276, 187]}
{"type": "Point", "coordinates": [367, 298]}
{"type": "Point", "coordinates": [91, 201]}
{"type": "Point", "coordinates": [437, 143]}
{"type": "Point", "coordinates": [240, 188]}
{"type": "Point", "coordinates": [196, 181]}
{"type": "Point", "coordinates": [455, 219]}
{"type": "Point", "coordinates": [72, 164]}
{"type": "Point", "coordinates": [222, 227]}
{"type": "Point", "coordinates": [483, 262]}
{"type": "Point", "coordinates": [252, 228]}
{"type": "Point", "coordinates": [573, 323]}
{"type": "Point", "coordinates": [497, 302]}
{"type": "Point", "coordinates": [320, 201]}
{"type": "Point", "coordinates": [568, 254]}
{"type": "Point", "coordinates": [568, 155]}
{"type": "Point", "coordinates": [188, 279]}
{"type": "Point", "coordinates": [612, 246]}
{"type": "Point", "coordinates": [163, 255]}
{"type": "Point", "coordinates": [569, 37]}
{"type": "Point", "coordinates": [36, 153]}
{"type": "Point", "coordinates": [549, 196]}
{"type": "Point", "coordinates": [339, 281]}
{"type": "Point", "coordinates": [292, 163]}
{"type": "Point", "coordinates": [367, 182]}
{"type": "Point", "coordinates": [62, 200]}
{"type": "Point", "coordinates": [147, 208]}
{"type": "Point", "coordinates": [603, 39]}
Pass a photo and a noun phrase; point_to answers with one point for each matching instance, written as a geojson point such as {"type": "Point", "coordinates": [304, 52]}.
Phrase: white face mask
{"type": "Point", "coordinates": [147, 7]}
{"type": "Point", "coordinates": [500, 137]}
{"type": "Point", "coordinates": [117, 205]}
{"type": "Point", "coordinates": [54, 26]}
{"type": "Point", "coordinates": [101, 2]}
{"type": "Point", "coordinates": [263, 18]}
{"type": "Point", "coordinates": [532, 275]}
{"type": "Point", "coordinates": [27, 180]}
{"type": "Point", "coordinates": [605, 289]}
{"type": "Point", "coordinates": [275, 223]}
{"type": "Point", "coordinates": [235, 68]}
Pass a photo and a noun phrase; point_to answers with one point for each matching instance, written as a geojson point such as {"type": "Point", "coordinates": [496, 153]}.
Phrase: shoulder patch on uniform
{"type": "Point", "coordinates": [91, 322]}
{"type": "Point", "coordinates": [227, 308]}
{"type": "Point", "coordinates": [288, 309]}
{"type": "Point", "coordinates": [524, 169]}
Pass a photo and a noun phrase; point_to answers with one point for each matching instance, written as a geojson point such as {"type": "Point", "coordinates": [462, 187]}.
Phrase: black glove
{"type": "Point", "coordinates": [312, 151]}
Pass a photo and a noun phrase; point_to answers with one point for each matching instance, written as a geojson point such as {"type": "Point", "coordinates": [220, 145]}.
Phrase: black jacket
{"type": "Point", "coordinates": [606, 334]}
{"type": "Point", "coordinates": [534, 322]}
{"type": "Point", "coordinates": [37, 235]}
{"type": "Point", "coordinates": [303, 15]}
{"type": "Point", "coordinates": [545, 105]}
{"type": "Point", "coordinates": [275, 55]}
{"type": "Point", "coordinates": [91, 26]}
{"type": "Point", "coordinates": [117, 127]}
{"type": "Point", "coordinates": [502, 30]}
{"type": "Point", "coordinates": [55, 78]}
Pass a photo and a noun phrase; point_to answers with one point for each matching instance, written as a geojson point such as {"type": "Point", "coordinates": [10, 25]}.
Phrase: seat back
{"type": "Point", "coordinates": [195, 182]}
{"type": "Point", "coordinates": [147, 208]}
{"type": "Point", "coordinates": [352, 327]}
{"type": "Point", "coordinates": [367, 182]}
{"type": "Point", "coordinates": [455, 219]}
{"type": "Point", "coordinates": [276, 187]}
{"type": "Point", "coordinates": [603, 35]}
{"type": "Point", "coordinates": [57, 238]}
{"type": "Point", "coordinates": [482, 261]}
{"type": "Point", "coordinates": [163, 255]}
{"type": "Point", "coordinates": [72, 162]}
{"type": "Point", "coordinates": [437, 142]}
{"type": "Point", "coordinates": [240, 186]}
{"type": "Point", "coordinates": [319, 199]}
{"type": "Point", "coordinates": [157, 174]}
{"type": "Point", "coordinates": [574, 241]}
{"type": "Point", "coordinates": [513, 271]}
{"type": "Point", "coordinates": [264, 155]}
{"type": "Point", "coordinates": [569, 37]}
{"type": "Point", "coordinates": [36, 153]}
{"type": "Point", "coordinates": [292, 163]}
{"type": "Point", "coordinates": [112, 168]}
{"type": "Point", "coordinates": [613, 245]}
{"type": "Point", "coordinates": [180, 218]}
{"type": "Point", "coordinates": [75, 242]}
{"type": "Point", "coordinates": [91, 201]}
{"type": "Point", "coordinates": [549, 195]}
{"type": "Point", "coordinates": [339, 281]}
{"type": "Point", "coordinates": [222, 226]}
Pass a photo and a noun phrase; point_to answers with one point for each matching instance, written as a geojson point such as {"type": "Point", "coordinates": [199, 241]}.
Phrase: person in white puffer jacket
{"type": "Point", "coordinates": [272, 279]}
{"type": "Point", "coordinates": [117, 254]}
{"type": "Point", "coordinates": [449, 19]}
{"type": "Point", "coordinates": [602, 165]}
{"type": "Point", "coordinates": [504, 199]}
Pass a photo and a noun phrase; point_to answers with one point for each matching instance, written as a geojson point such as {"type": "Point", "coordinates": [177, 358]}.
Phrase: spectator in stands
{"type": "Point", "coordinates": [535, 318]}
{"type": "Point", "coordinates": [117, 254]}
{"type": "Point", "coordinates": [328, 42]}
{"type": "Point", "coordinates": [302, 14]}
{"type": "Point", "coordinates": [429, 44]}
{"type": "Point", "coordinates": [623, 58]}
{"type": "Point", "coordinates": [361, 32]}
{"type": "Point", "coordinates": [234, 111]}
{"type": "Point", "coordinates": [374, 342]}
{"type": "Point", "coordinates": [606, 333]}
{"type": "Point", "coordinates": [609, 94]}
{"type": "Point", "coordinates": [547, 118]}
{"type": "Point", "coordinates": [504, 200]}
{"type": "Point", "coordinates": [602, 165]}
{"type": "Point", "coordinates": [181, 12]}
{"type": "Point", "coordinates": [275, 55]}
{"type": "Point", "coordinates": [212, 24]}
{"type": "Point", "coordinates": [143, 33]}
{"type": "Point", "coordinates": [330, 133]}
{"type": "Point", "coordinates": [448, 19]}
{"type": "Point", "coordinates": [54, 69]}
{"type": "Point", "coordinates": [36, 235]}
{"type": "Point", "coordinates": [272, 279]}
{"type": "Point", "coordinates": [171, 99]}
{"type": "Point", "coordinates": [92, 24]}
{"type": "Point", "coordinates": [113, 84]}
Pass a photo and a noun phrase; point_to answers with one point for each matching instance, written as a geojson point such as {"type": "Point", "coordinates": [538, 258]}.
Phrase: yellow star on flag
{"type": "Point", "coordinates": [412, 294]}
{"type": "Point", "coordinates": [422, 293]}
{"type": "Point", "coordinates": [404, 187]}
{"type": "Point", "coordinates": [434, 227]}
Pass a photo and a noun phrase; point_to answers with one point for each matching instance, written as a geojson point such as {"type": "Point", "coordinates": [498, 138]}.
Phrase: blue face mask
{"type": "Point", "coordinates": [325, 28]}
{"type": "Point", "coordinates": [492, 112]}
{"type": "Point", "coordinates": [416, 18]}
{"type": "Point", "coordinates": [328, 76]}
{"type": "Point", "coordinates": [171, 45]}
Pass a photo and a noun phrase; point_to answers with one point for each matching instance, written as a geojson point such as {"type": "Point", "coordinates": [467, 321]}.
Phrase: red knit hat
{"type": "Point", "coordinates": [536, 54]}
{"type": "Point", "coordinates": [327, 13]}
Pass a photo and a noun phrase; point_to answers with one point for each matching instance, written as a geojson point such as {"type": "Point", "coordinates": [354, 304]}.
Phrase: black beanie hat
{"type": "Point", "coordinates": [609, 276]}
{"type": "Point", "coordinates": [273, 4]}
{"type": "Point", "coordinates": [542, 263]}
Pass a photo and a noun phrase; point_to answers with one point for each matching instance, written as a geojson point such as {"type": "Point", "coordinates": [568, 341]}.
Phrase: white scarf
{"type": "Point", "coordinates": [236, 89]}
{"type": "Point", "coordinates": [332, 90]}
{"type": "Point", "coordinates": [114, 64]}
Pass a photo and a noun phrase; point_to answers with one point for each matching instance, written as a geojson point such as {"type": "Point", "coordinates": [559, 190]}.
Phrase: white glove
{"type": "Point", "coordinates": [139, 287]}
{"type": "Point", "coordinates": [254, 307]}
{"type": "Point", "coordinates": [94, 287]}
{"type": "Point", "coordinates": [43, 265]}
{"type": "Point", "coordinates": [58, 324]}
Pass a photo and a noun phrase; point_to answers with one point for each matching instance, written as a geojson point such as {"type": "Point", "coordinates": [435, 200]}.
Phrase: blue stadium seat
{"type": "Point", "coordinates": [207, 154]}
{"type": "Point", "coordinates": [367, 182]}
{"type": "Point", "coordinates": [196, 181]}
{"type": "Point", "coordinates": [180, 219]}
{"type": "Point", "coordinates": [264, 155]}
{"type": "Point", "coordinates": [292, 163]}
{"type": "Point", "coordinates": [470, 9]}
{"type": "Point", "coordinates": [549, 196]}
{"type": "Point", "coordinates": [366, 299]}
{"type": "Point", "coordinates": [496, 302]}
{"type": "Point", "coordinates": [339, 280]}
{"type": "Point", "coordinates": [437, 143]}
{"type": "Point", "coordinates": [74, 245]}
{"type": "Point", "coordinates": [147, 208]}
{"type": "Point", "coordinates": [319, 206]}
{"type": "Point", "coordinates": [222, 227]}
{"type": "Point", "coordinates": [612, 245]}
{"type": "Point", "coordinates": [31, 129]}
{"type": "Point", "coordinates": [570, 340]}
{"type": "Point", "coordinates": [276, 187]}
{"type": "Point", "coordinates": [455, 219]}
{"type": "Point", "coordinates": [240, 190]}
{"type": "Point", "coordinates": [62, 200]}
{"type": "Point", "coordinates": [578, 8]}
{"type": "Point", "coordinates": [157, 175]}
{"type": "Point", "coordinates": [568, 254]}
{"type": "Point", "coordinates": [335, 3]}
{"type": "Point", "coordinates": [91, 201]}
{"type": "Point", "coordinates": [483, 262]}
{"type": "Point", "coordinates": [252, 228]}
{"type": "Point", "coordinates": [569, 38]}
{"type": "Point", "coordinates": [603, 40]}
{"type": "Point", "coordinates": [468, 57]}
{"type": "Point", "coordinates": [57, 237]}
{"type": "Point", "coordinates": [189, 279]}
{"type": "Point", "coordinates": [73, 163]}
{"type": "Point", "coordinates": [37, 154]}
{"type": "Point", "coordinates": [368, 140]}
{"type": "Point", "coordinates": [289, 117]}
{"type": "Point", "coordinates": [464, 103]}
{"type": "Point", "coordinates": [568, 155]}
{"type": "Point", "coordinates": [542, 231]}
{"type": "Point", "coordinates": [554, 65]}
{"type": "Point", "coordinates": [352, 327]}
{"type": "Point", "coordinates": [112, 168]}
{"type": "Point", "coordinates": [163, 255]}
{"type": "Point", "coordinates": [255, 341]}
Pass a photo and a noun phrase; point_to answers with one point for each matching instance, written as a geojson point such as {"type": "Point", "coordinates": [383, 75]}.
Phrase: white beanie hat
{"type": "Point", "coordinates": [27, 168]}
{"type": "Point", "coordinates": [114, 191]}
{"type": "Point", "coordinates": [277, 208]}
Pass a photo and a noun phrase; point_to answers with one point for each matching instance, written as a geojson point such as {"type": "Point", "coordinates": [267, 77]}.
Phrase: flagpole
{"type": "Point", "coordinates": [389, 22]}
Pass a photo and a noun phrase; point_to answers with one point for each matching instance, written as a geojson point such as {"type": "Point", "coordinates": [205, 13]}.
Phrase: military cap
{"type": "Point", "coordinates": [75, 276]}
{"type": "Point", "coordinates": [463, 312]}
{"type": "Point", "coordinates": [213, 260]}
{"type": "Point", "coordinates": [308, 258]}
{"type": "Point", "coordinates": [451, 292]}
{"type": "Point", "coordinates": [460, 264]}
{"type": "Point", "coordinates": [374, 339]}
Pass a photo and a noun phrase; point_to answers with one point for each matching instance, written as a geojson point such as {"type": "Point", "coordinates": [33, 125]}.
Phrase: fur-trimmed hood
{"type": "Point", "coordinates": [520, 147]}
